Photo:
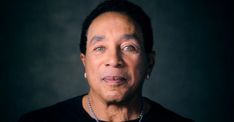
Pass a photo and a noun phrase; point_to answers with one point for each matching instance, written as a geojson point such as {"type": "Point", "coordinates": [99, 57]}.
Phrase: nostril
{"type": "Point", "coordinates": [116, 62]}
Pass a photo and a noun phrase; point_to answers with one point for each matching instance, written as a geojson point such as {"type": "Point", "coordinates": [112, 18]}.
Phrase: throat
{"type": "Point", "coordinates": [115, 113]}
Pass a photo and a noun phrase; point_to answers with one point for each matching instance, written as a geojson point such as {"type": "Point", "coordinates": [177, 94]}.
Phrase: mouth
{"type": "Point", "coordinates": [114, 80]}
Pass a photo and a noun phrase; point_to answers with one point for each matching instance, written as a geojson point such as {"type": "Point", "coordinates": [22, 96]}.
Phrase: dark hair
{"type": "Point", "coordinates": [123, 6]}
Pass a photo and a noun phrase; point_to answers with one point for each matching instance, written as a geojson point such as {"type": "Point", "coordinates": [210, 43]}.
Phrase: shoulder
{"type": "Point", "coordinates": [69, 109]}
{"type": "Point", "coordinates": [162, 114]}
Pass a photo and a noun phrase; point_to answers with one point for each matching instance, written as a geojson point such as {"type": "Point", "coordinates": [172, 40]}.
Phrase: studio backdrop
{"type": "Point", "coordinates": [192, 74]}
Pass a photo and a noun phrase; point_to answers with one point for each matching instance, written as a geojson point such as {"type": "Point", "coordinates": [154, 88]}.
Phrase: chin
{"type": "Point", "coordinates": [114, 98]}
{"type": "Point", "coordinates": [113, 101]}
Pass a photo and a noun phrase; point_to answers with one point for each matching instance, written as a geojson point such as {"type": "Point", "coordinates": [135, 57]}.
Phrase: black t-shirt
{"type": "Point", "coordinates": [72, 111]}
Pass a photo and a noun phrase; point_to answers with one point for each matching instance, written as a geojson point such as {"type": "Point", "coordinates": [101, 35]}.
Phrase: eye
{"type": "Point", "coordinates": [99, 49]}
{"type": "Point", "coordinates": [129, 48]}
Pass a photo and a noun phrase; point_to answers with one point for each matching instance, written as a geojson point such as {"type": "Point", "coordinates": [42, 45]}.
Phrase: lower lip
{"type": "Point", "coordinates": [114, 82]}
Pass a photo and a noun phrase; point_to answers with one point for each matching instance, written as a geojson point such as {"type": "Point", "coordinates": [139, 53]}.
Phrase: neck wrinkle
{"type": "Point", "coordinates": [126, 111]}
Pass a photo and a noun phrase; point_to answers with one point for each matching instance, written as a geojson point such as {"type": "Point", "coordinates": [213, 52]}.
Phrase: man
{"type": "Point", "coordinates": [116, 51]}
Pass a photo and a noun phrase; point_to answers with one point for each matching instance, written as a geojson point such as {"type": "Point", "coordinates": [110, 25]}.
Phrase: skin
{"type": "Point", "coordinates": [116, 66]}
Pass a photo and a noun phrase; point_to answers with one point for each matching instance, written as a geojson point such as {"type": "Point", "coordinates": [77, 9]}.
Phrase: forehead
{"type": "Point", "coordinates": [112, 21]}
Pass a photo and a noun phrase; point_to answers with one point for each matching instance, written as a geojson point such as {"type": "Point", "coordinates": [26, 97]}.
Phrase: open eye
{"type": "Point", "coordinates": [129, 48]}
{"type": "Point", "coordinates": [99, 49]}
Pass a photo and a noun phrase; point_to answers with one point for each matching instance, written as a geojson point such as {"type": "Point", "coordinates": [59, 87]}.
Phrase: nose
{"type": "Point", "coordinates": [114, 58]}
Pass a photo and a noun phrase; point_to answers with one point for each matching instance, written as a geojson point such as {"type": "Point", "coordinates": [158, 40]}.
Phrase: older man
{"type": "Point", "coordinates": [116, 51]}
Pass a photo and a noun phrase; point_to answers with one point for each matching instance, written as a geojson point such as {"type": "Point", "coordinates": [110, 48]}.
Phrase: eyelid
{"type": "Point", "coordinates": [132, 43]}
{"type": "Point", "coordinates": [99, 48]}
{"type": "Point", "coordinates": [133, 48]}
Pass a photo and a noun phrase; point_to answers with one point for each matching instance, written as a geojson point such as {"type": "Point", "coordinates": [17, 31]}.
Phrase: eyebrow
{"type": "Point", "coordinates": [129, 37]}
{"type": "Point", "coordinates": [98, 38]}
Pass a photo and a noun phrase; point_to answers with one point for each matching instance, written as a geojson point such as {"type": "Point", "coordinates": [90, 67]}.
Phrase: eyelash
{"type": "Point", "coordinates": [127, 48]}
{"type": "Point", "coordinates": [132, 48]}
{"type": "Point", "coordinates": [99, 49]}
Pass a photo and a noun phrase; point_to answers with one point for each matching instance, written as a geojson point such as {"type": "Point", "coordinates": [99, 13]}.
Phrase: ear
{"type": "Point", "coordinates": [83, 58]}
{"type": "Point", "coordinates": [151, 61]}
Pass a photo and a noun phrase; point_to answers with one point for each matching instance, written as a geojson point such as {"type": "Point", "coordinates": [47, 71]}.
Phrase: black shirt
{"type": "Point", "coordinates": [72, 111]}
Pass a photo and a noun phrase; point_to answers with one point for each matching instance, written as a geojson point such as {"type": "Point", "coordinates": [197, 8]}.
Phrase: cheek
{"type": "Point", "coordinates": [138, 68]}
{"type": "Point", "coordinates": [92, 71]}
{"type": "Point", "coordinates": [92, 65]}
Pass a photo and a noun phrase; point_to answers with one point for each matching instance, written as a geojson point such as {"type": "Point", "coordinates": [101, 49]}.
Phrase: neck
{"type": "Point", "coordinates": [113, 111]}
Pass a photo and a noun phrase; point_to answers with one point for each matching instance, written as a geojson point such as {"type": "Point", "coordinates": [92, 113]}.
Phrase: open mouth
{"type": "Point", "coordinates": [114, 80]}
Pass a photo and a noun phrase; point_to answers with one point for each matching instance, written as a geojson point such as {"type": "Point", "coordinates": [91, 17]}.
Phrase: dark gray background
{"type": "Point", "coordinates": [192, 75]}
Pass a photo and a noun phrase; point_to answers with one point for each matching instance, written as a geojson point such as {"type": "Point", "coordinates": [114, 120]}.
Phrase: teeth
{"type": "Point", "coordinates": [114, 78]}
{"type": "Point", "coordinates": [118, 78]}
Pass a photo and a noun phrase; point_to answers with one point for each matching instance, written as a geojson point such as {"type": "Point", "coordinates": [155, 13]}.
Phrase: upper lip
{"type": "Point", "coordinates": [114, 78]}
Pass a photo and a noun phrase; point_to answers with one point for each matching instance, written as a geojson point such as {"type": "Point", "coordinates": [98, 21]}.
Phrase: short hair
{"type": "Point", "coordinates": [122, 6]}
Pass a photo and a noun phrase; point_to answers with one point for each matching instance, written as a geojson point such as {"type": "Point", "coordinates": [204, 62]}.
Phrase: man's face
{"type": "Point", "coordinates": [115, 61]}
